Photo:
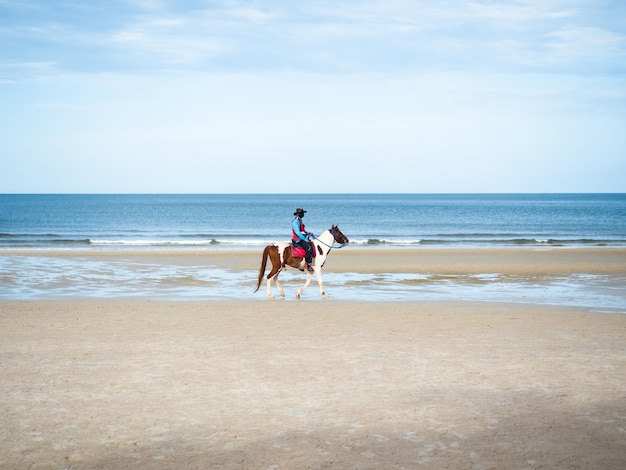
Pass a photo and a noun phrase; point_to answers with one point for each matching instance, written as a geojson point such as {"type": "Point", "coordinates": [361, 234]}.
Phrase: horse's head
{"type": "Point", "coordinates": [339, 237]}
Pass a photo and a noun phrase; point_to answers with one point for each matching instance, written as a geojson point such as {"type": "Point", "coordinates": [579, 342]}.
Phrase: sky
{"type": "Point", "coordinates": [397, 96]}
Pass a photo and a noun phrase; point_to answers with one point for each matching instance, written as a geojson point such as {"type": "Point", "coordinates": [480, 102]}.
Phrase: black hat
{"type": "Point", "coordinates": [299, 211]}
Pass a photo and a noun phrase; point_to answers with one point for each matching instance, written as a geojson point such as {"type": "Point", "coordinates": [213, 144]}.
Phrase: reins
{"type": "Point", "coordinates": [331, 247]}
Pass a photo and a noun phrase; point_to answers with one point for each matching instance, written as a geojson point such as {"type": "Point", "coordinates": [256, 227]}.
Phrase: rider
{"type": "Point", "coordinates": [300, 237]}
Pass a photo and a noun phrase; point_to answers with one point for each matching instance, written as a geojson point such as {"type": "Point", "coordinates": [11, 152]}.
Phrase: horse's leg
{"type": "Point", "coordinates": [318, 274]}
{"type": "Point", "coordinates": [280, 287]}
{"type": "Point", "coordinates": [274, 279]}
{"type": "Point", "coordinates": [309, 276]}
{"type": "Point", "coordinates": [273, 275]}
{"type": "Point", "coordinates": [269, 288]}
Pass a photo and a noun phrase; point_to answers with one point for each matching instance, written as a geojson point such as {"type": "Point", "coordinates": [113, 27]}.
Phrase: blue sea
{"type": "Point", "coordinates": [249, 220]}
{"type": "Point", "coordinates": [33, 228]}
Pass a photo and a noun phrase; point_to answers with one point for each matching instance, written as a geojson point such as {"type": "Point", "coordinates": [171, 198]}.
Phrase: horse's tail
{"type": "Point", "coordinates": [266, 252]}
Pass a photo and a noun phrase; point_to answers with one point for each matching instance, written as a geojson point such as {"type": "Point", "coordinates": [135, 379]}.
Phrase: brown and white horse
{"type": "Point", "coordinates": [280, 254]}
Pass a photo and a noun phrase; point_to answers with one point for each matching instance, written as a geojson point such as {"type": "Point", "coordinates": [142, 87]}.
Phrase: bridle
{"type": "Point", "coordinates": [333, 231]}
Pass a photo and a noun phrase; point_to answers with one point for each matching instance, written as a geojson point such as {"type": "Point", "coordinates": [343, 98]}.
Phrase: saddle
{"type": "Point", "coordinates": [298, 252]}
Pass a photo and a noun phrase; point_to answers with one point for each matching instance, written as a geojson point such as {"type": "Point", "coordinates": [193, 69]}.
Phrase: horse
{"type": "Point", "coordinates": [284, 254]}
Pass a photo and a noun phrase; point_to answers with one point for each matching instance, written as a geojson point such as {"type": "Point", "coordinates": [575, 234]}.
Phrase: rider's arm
{"type": "Point", "coordinates": [296, 228]}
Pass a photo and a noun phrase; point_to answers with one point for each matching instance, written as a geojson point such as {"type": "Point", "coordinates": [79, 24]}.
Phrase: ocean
{"type": "Point", "coordinates": [250, 220]}
{"type": "Point", "coordinates": [40, 233]}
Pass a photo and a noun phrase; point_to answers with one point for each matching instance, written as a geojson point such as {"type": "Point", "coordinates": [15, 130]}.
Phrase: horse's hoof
{"type": "Point", "coordinates": [325, 295]}
{"type": "Point", "coordinates": [297, 296]}
{"type": "Point", "coordinates": [271, 297]}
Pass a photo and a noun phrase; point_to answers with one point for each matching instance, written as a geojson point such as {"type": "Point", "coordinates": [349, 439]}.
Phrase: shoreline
{"type": "Point", "coordinates": [522, 260]}
{"type": "Point", "coordinates": [246, 384]}
{"type": "Point", "coordinates": [589, 277]}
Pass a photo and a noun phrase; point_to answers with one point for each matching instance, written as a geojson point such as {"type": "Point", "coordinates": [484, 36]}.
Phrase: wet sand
{"type": "Point", "coordinates": [314, 384]}
{"type": "Point", "coordinates": [534, 260]}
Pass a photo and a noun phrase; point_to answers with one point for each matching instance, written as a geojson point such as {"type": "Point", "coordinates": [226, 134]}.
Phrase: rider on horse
{"type": "Point", "coordinates": [300, 237]}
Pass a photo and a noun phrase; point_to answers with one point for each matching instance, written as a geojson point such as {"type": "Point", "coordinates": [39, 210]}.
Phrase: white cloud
{"type": "Point", "coordinates": [251, 14]}
{"type": "Point", "coordinates": [148, 4]}
{"type": "Point", "coordinates": [378, 36]}
{"type": "Point", "coordinates": [515, 12]}
{"type": "Point", "coordinates": [167, 39]}
{"type": "Point", "coordinates": [571, 43]}
{"type": "Point", "coordinates": [11, 72]}
{"type": "Point", "coordinates": [170, 50]}
{"type": "Point", "coordinates": [187, 37]}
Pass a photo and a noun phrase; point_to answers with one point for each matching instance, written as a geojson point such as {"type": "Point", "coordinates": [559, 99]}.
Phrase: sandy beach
{"type": "Point", "coordinates": [283, 385]}
{"type": "Point", "coordinates": [260, 384]}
